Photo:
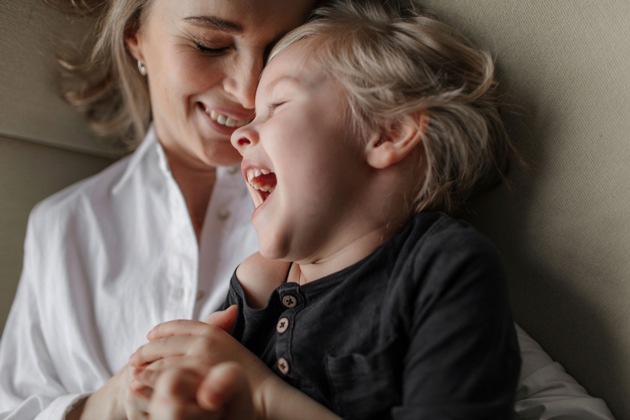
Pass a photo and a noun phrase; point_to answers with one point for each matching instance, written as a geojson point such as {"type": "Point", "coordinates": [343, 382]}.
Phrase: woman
{"type": "Point", "coordinates": [157, 235]}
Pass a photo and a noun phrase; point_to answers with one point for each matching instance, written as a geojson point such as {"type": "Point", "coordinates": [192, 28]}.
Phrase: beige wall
{"type": "Point", "coordinates": [44, 143]}
{"type": "Point", "coordinates": [564, 229]}
{"type": "Point", "coordinates": [28, 173]}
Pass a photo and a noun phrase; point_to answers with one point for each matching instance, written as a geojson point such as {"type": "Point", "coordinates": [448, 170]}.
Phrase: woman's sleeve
{"type": "Point", "coordinates": [29, 384]}
{"type": "Point", "coordinates": [463, 360]}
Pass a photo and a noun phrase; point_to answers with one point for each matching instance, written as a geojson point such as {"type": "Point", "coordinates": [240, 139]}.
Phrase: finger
{"type": "Point", "coordinates": [175, 396]}
{"type": "Point", "coordinates": [226, 388]}
{"type": "Point", "coordinates": [137, 401]}
{"type": "Point", "coordinates": [177, 327]}
{"type": "Point", "coordinates": [223, 319]}
{"type": "Point", "coordinates": [171, 346]}
{"type": "Point", "coordinates": [147, 376]}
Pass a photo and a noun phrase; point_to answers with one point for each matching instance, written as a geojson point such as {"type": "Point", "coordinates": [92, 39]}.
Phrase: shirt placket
{"type": "Point", "coordinates": [292, 302]}
{"type": "Point", "coordinates": [182, 268]}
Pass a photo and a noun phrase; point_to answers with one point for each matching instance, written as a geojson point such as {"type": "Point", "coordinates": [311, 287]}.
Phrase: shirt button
{"type": "Point", "coordinates": [223, 214]}
{"type": "Point", "coordinates": [200, 295]}
{"type": "Point", "coordinates": [283, 366]}
{"type": "Point", "coordinates": [179, 292]}
{"type": "Point", "coordinates": [232, 170]}
{"type": "Point", "coordinates": [289, 301]}
{"type": "Point", "coordinates": [282, 325]}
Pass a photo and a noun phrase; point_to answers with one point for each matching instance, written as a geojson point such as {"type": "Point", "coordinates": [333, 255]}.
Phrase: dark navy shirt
{"type": "Point", "coordinates": [420, 329]}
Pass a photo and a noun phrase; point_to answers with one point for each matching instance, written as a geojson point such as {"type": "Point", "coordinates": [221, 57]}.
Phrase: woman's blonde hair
{"type": "Point", "coordinates": [106, 84]}
{"type": "Point", "coordinates": [395, 62]}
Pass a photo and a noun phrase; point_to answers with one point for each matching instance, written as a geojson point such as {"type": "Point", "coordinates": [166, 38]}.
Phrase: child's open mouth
{"type": "Point", "coordinates": [262, 182]}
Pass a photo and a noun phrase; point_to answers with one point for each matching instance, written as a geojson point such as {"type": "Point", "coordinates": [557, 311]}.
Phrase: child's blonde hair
{"type": "Point", "coordinates": [396, 63]}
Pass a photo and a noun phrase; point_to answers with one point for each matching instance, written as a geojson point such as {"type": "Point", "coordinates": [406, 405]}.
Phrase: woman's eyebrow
{"type": "Point", "coordinates": [214, 23]}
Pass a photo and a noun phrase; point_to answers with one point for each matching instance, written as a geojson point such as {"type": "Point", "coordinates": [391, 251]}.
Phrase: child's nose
{"type": "Point", "coordinates": [243, 137]}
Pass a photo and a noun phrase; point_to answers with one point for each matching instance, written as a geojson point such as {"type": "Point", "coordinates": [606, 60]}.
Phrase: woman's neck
{"type": "Point", "coordinates": [196, 184]}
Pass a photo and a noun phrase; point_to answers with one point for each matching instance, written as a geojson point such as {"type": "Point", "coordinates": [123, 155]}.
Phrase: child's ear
{"type": "Point", "coordinates": [395, 142]}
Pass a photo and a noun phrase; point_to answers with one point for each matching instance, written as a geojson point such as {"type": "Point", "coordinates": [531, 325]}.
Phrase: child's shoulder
{"type": "Point", "coordinates": [438, 233]}
{"type": "Point", "coordinates": [259, 277]}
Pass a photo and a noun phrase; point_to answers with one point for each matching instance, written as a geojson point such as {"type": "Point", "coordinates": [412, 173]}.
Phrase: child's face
{"type": "Point", "coordinates": [305, 171]}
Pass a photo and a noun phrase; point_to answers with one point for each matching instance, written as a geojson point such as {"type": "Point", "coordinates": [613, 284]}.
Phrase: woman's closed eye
{"type": "Point", "coordinates": [210, 50]}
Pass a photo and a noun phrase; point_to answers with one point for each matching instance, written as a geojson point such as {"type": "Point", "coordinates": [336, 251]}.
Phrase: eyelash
{"type": "Point", "coordinates": [273, 106]}
{"type": "Point", "coordinates": [209, 50]}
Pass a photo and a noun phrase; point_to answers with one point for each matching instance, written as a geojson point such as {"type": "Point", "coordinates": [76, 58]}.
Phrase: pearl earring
{"type": "Point", "coordinates": [142, 68]}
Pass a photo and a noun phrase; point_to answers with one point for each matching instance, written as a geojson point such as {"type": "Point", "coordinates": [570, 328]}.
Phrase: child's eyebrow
{"type": "Point", "coordinates": [283, 79]}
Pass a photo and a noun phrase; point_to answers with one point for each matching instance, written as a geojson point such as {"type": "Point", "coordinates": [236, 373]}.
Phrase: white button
{"type": "Point", "coordinates": [282, 325]}
{"type": "Point", "coordinates": [179, 292]}
{"type": "Point", "coordinates": [289, 301]}
{"type": "Point", "coordinates": [283, 366]}
{"type": "Point", "coordinates": [223, 214]}
{"type": "Point", "coordinates": [232, 170]}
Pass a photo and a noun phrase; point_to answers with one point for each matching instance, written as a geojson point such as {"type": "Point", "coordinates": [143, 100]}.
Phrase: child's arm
{"type": "Point", "coordinates": [259, 277]}
{"type": "Point", "coordinates": [192, 370]}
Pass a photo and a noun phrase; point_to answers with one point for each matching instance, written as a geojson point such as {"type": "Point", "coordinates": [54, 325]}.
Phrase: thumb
{"type": "Point", "coordinates": [223, 319]}
{"type": "Point", "coordinates": [225, 389]}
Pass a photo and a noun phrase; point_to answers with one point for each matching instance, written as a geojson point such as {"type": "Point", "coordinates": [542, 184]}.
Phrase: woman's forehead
{"type": "Point", "coordinates": [260, 17]}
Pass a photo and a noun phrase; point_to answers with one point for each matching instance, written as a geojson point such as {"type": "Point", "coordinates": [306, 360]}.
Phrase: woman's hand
{"type": "Point", "coordinates": [114, 400]}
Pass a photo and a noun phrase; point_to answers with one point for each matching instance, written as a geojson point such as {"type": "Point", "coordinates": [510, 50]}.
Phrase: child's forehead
{"type": "Point", "coordinates": [294, 65]}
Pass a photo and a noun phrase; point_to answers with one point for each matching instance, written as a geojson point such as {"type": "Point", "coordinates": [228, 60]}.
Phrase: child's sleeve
{"type": "Point", "coordinates": [463, 359]}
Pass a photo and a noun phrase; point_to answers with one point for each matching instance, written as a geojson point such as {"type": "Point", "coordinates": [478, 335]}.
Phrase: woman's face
{"type": "Point", "coordinates": [203, 59]}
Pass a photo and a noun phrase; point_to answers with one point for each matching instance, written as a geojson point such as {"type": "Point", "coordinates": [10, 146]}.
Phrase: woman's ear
{"type": "Point", "coordinates": [395, 142]}
{"type": "Point", "coordinates": [133, 42]}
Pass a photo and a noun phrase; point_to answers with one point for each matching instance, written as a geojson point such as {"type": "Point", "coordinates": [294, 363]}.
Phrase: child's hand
{"type": "Point", "coordinates": [223, 393]}
{"type": "Point", "coordinates": [180, 354]}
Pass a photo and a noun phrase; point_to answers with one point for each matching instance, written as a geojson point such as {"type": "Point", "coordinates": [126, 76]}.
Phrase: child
{"type": "Point", "coordinates": [373, 122]}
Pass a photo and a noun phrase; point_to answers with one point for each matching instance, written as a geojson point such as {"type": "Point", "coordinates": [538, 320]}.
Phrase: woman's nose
{"type": "Point", "coordinates": [242, 82]}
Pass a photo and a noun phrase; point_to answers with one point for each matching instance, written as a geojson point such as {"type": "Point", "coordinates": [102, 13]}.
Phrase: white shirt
{"type": "Point", "coordinates": [105, 260]}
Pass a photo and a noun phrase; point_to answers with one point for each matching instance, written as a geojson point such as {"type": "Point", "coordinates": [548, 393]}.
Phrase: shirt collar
{"type": "Point", "coordinates": [150, 142]}
{"type": "Point", "coordinates": [147, 144]}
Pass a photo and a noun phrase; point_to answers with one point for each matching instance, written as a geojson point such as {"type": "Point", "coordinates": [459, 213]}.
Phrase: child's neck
{"type": "Point", "coordinates": [364, 244]}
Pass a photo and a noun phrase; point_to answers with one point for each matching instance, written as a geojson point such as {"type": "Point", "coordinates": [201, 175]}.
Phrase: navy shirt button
{"type": "Point", "coordinates": [282, 325]}
{"type": "Point", "coordinates": [283, 366]}
{"type": "Point", "coordinates": [289, 301]}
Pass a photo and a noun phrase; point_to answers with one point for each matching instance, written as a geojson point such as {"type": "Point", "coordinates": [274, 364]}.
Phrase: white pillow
{"type": "Point", "coordinates": [546, 391]}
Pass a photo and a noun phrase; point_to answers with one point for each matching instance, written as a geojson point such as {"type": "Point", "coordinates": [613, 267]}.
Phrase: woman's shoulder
{"type": "Point", "coordinates": [93, 189]}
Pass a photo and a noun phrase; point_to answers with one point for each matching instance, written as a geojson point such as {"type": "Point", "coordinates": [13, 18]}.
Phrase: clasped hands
{"type": "Point", "coordinates": [194, 369]}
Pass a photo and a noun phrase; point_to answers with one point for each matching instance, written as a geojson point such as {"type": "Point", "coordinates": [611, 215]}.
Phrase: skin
{"type": "Point", "coordinates": [203, 61]}
{"type": "Point", "coordinates": [201, 57]}
{"type": "Point", "coordinates": [199, 371]}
